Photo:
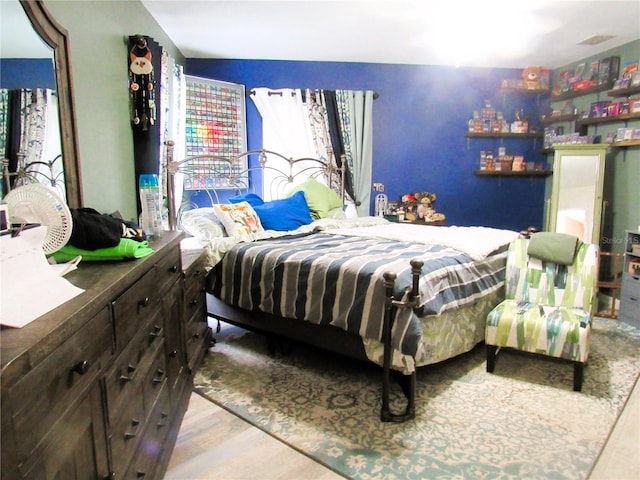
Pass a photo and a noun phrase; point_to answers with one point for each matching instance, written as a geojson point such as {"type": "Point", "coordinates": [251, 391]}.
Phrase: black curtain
{"type": "Point", "coordinates": [14, 123]}
{"type": "Point", "coordinates": [336, 140]}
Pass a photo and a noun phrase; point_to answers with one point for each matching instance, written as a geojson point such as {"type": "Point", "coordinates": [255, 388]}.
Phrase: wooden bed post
{"type": "Point", "coordinates": [391, 304]}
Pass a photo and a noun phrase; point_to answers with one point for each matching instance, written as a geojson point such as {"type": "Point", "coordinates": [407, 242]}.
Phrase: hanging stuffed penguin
{"type": "Point", "coordinates": [141, 85]}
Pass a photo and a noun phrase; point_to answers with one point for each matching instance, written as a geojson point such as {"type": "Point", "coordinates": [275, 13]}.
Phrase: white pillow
{"type": "Point", "coordinates": [202, 223]}
{"type": "Point", "coordinates": [238, 218]}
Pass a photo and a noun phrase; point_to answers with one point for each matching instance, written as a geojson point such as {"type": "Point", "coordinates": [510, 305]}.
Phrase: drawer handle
{"type": "Point", "coordinates": [141, 474]}
{"type": "Point", "coordinates": [163, 417]}
{"type": "Point", "coordinates": [197, 273]}
{"type": "Point", "coordinates": [194, 302]}
{"type": "Point", "coordinates": [159, 377]}
{"type": "Point", "coordinates": [157, 332]}
{"type": "Point", "coordinates": [81, 367]}
{"type": "Point", "coordinates": [173, 353]}
{"type": "Point", "coordinates": [144, 302]}
{"type": "Point", "coordinates": [173, 269]}
{"type": "Point", "coordinates": [130, 435]}
{"type": "Point", "coordinates": [130, 369]}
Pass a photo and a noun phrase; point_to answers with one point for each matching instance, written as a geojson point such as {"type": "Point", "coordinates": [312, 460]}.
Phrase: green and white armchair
{"type": "Point", "coordinates": [550, 297]}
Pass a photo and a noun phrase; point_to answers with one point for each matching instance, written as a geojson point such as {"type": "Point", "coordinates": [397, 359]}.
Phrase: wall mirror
{"type": "Point", "coordinates": [577, 197]}
{"type": "Point", "coordinates": [33, 15]}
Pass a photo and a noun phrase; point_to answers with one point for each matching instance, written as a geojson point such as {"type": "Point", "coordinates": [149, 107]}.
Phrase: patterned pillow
{"type": "Point", "coordinates": [202, 223]}
{"type": "Point", "coordinates": [238, 219]}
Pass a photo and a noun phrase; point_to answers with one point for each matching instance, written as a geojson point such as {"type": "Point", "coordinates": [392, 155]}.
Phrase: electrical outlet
{"type": "Point", "coordinates": [378, 187]}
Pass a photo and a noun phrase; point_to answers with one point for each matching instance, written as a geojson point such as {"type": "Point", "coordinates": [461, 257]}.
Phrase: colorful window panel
{"type": "Point", "coordinates": [215, 124]}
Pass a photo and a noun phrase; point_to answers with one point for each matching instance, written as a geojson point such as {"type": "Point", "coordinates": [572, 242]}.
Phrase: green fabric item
{"type": "Point", "coordinates": [127, 248]}
{"type": "Point", "coordinates": [554, 247]}
{"type": "Point", "coordinates": [320, 198]}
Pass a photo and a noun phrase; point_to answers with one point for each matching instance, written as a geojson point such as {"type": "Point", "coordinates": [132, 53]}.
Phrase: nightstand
{"type": "Point", "coordinates": [197, 332]}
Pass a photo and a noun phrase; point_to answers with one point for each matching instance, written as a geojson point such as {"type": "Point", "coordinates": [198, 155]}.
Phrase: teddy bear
{"type": "Point", "coordinates": [532, 78]}
{"type": "Point", "coordinates": [419, 207]}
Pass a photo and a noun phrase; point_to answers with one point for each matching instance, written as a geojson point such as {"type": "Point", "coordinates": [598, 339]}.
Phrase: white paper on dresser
{"type": "Point", "coordinates": [29, 286]}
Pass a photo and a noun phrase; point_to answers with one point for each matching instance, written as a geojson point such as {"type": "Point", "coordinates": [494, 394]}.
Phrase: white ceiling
{"type": "Point", "coordinates": [540, 32]}
{"type": "Point", "coordinates": [489, 33]}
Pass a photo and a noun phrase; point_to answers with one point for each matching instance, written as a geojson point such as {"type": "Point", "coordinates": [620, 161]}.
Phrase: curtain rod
{"type": "Point", "coordinates": [252, 92]}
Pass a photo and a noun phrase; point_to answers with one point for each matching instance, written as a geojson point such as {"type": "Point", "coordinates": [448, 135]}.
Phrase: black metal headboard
{"type": "Point", "coordinates": [215, 173]}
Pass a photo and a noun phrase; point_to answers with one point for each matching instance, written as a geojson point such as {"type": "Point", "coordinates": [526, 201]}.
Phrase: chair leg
{"type": "Point", "coordinates": [578, 368]}
{"type": "Point", "coordinates": [491, 357]}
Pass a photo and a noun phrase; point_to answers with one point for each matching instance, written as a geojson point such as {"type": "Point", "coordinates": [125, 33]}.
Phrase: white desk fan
{"type": "Point", "coordinates": [36, 203]}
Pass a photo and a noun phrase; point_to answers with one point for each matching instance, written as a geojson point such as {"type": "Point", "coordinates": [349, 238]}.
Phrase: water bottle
{"type": "Point", "coordinates": [150, 217]}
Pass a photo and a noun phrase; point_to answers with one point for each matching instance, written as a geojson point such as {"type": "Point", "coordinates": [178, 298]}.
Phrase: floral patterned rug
{"type": "Point", "coordinates": [524, 421]}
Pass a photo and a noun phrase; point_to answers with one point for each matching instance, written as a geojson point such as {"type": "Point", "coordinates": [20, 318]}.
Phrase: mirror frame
{"type": "Point", "coordinates": [57, 38]}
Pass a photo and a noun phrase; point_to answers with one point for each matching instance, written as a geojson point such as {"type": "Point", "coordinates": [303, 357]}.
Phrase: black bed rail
{"type": "Point", "coordinates": [408, 385]}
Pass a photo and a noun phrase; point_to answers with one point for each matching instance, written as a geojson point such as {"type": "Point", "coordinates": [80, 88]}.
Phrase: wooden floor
{"type": "Point", "coordinates": [215, 444]}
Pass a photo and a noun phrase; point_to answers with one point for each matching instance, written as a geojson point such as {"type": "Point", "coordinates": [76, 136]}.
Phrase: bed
{"type": "Point", "coordinates": [400, 295]}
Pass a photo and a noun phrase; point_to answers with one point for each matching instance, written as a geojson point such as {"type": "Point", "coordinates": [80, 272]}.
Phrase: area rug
{"type": "Point", "coordinates": [523, 421]}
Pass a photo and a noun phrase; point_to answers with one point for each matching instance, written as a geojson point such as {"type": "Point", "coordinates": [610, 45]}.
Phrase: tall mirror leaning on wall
{"type": "Point", "coordinates": [37, 120]}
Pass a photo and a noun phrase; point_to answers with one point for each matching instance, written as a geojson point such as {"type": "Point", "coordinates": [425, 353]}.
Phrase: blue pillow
{"type": "Point", "coordinates": [286, 214]}
{"type": "Point", "coordinates": [251, 198]}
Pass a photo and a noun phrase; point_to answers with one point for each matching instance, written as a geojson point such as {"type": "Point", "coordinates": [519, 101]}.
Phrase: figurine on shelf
{"type": "Point", "coordinates": [419, 207]}
{"type": "Point", "coordinates": [532, 78]}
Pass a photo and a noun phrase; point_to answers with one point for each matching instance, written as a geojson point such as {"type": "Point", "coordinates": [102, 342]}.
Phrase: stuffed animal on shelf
{"type": "Point", "coordinates": [419, 207]}
{"type": "Point", "coordinates": [532, 78]}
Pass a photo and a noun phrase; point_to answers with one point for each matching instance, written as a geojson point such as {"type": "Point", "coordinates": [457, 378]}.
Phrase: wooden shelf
{"type": "Point", "coordinates": [550, 119]}
{"type": "Point", "coordinates": [506, 173]}
{"type": "Point", "coordinates": [502, 135]}
{"type": "Point", "coordinates": [580, 93]}
{"type": "Point", "coordinates": [525, 91]}
{"type": "Point", "coordinates": [616, 118]}
{"type": "Point", "coordinates": [624, 92]}
{"type": "Point", "coordinates": [625, 143]}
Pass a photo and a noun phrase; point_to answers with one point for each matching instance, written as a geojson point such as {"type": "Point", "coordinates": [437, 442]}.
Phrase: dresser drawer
{"type": "Point", "coordinates": [155, 378]}
{"type": "Point", "coordinates": [147, 459]}
{"type": "Point", "coordinates": [131, 366]}
{"type": "Point", "coordinates": [198, 341]}
{"type": "Point", "coordinates": [135, 307]}
{"type": "Point", "coordinates": [195, 303]}
{"type": "Point", "coordinates": [630, 286]}
{"type": "Point", "coordinates": [169, 270]}
{"type": "Point", "coordinates": [40, 398]}
{"type": "Point", "coordinates": [127, 431]}
{"type": "Point", "coordinates": [195, 276]}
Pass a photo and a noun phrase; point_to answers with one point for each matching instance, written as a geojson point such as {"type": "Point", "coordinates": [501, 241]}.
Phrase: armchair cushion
{"type": "Point", "coordinates": [561, 332]}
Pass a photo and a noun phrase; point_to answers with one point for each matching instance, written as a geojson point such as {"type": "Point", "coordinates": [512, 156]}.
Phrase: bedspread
{"type": "Point", "coordinates": [336, 279]}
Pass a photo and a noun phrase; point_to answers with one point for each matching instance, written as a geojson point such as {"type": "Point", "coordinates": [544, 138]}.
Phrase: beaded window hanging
{"type": "Point", "coordinates": [141, 85]}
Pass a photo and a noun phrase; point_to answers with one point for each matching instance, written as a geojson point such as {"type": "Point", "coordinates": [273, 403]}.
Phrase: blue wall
{"type": "Point", "coordinates": [27, 73]}
{"type": "Point", "coordinates": [420, 120]}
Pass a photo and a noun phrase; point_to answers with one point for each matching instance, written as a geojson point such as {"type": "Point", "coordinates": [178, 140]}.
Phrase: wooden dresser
{"type": "Point", "coordinates": [97, 388]}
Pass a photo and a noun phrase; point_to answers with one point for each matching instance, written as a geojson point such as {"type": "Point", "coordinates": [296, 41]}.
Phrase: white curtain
{"type": "Point", "coordinates": [285, 126]}
{"type": "Point", "coordinates": [298, 129]}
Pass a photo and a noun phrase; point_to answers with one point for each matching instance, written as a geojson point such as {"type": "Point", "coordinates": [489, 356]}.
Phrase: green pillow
{"type": "Point", "coordinates": [320, 198]}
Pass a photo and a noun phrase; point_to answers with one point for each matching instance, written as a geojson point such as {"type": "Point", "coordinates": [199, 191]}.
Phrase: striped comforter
{"type": "Point", "coordinates": [336, 279]}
